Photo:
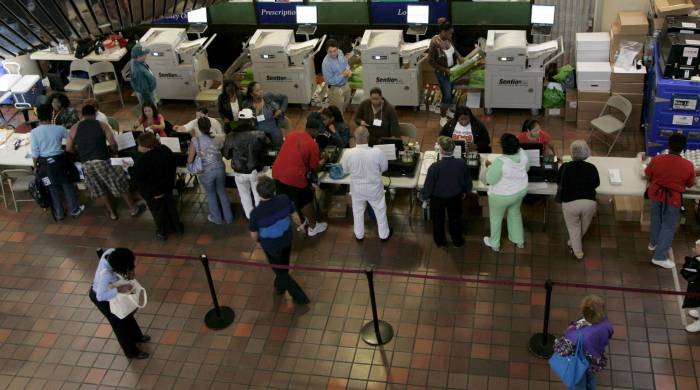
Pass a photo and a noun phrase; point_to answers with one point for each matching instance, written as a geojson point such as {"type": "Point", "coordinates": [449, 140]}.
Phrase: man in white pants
{"type": "Point", "coordinates": [365, 166]}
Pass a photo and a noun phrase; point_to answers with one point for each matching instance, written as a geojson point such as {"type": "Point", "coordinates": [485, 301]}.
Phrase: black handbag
{"type": "Point", "coordinates": [691, 269]}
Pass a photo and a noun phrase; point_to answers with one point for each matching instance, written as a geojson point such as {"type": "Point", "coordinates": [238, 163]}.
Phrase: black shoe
{"type": "Point", "coordinates": [161, 237]}
{"type": "Point", "coordinates": [140, 356]}
{"type": "Point", "coordinates": [391, 232]}
{"type": "Point", "coordinates": [59, 219]}
{"type": "Point", "coordinates": [146, 338]}
{"type": "Point", "coordinates": [302, 301]}
{"type": "Point", "coordinates": [140, 208]}
{"type": "Point", "coordinates": [458, 244]}
{"type": "Point", "coordinates": [359, 239]}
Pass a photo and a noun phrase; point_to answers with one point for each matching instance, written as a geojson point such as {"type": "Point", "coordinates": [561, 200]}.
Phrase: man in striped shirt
{"type": "Point", "coordinates": [365, 166]}
{"type": "Point", "coordinates": [271, 225]}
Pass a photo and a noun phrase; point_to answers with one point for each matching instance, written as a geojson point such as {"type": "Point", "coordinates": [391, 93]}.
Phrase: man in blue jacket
{"type": "Point", "coordinates": [142, 80]}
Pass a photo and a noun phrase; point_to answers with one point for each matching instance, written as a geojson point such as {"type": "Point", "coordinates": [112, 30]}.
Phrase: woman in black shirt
{"type": "Point", "coordinates": [465, 126]}
{"type": "Point", "coordinates": [578, 181]}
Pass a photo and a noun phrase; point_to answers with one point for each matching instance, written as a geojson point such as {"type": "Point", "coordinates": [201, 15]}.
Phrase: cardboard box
{"type": "Point", "coordinates": [633, 23]}
{"type": "Point", "coordinates": [588, 115]}
{"type": "Point", "coordinates": [635, 120]}
{"type": "Point", "coordinates": [617, 36]}
{"type": "Point", "coordinates": [553, 112]}
{"type": "Point", "coordinates": [634, 98]}
{"type": "Point", "coordinates": [595, 107]}
{"type": "Point", "coordinates": [583, 124]}
{"type": "Point", "coordinates": [627, 208]}
{"type": "Point", "coordinates": [590, 96]}
{"type": "Point", "coordinates": [659, 24]}
{"type": "Point", "coordinates": [571, 105]}
{"type": "Point", "coordinates": [627, 88]}
{"type": "Point", "coordinates": [673, 7]}
{"type": "Point", "coordinates": [620, 76]}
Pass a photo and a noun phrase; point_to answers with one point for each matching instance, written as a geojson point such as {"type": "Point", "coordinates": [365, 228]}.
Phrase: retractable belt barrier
{"type": "Point", "coordinates": [378, 332]}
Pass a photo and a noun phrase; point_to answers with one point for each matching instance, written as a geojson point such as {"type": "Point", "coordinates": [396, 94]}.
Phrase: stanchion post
{"type": "Point", "coordinates": [376, 332]}
{"type": "Point", "coordinates": [542, 344]}
{"type": "Point", "coordinates": [220, 316]}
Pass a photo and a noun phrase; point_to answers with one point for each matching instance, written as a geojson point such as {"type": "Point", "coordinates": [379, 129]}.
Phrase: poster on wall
{"type": "Point", "coordinates": [394, 12]}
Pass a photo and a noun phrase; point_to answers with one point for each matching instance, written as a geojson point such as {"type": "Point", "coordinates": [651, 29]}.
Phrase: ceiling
{"type": "Point", "coordinates": [28, 25]}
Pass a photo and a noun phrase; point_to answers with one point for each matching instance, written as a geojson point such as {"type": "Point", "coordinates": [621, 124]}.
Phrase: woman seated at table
{"type": "Point", "coordinates": [229, 104]}
{"type": "Point", "coordinates": [334, 127]}
{"type": "Point", "coordinates": [465, 126]}
{"type": "Point", "coordinates": [151, 120]}
{"type": "Point", "coordinates": [63, 114]}
{"type": "Point", "coordinates": [507, 180]}
{"type": "Point", "coordinates": [532, 133]}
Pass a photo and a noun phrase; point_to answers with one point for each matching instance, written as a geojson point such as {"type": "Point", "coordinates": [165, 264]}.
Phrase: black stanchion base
{"type": "Point", "coordinates": [215, 322]}
{"type": "Point", "coordinates": [542, 350]}
{"type": "Point", "coordinates": [370, 337]}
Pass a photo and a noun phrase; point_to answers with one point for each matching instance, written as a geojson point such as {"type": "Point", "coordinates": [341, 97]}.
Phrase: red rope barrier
{"type": "Point", "coordinates": [422, 276]}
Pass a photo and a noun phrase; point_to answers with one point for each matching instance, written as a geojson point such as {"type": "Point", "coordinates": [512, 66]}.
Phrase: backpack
{"type": "Point", "coordinates": [40, 193]}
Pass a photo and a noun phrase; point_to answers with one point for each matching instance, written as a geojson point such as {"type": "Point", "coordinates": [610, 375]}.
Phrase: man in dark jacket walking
{"type": "Point", "coordinates": [154, 175]}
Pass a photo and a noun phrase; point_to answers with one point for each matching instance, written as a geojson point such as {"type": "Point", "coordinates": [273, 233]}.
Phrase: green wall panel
{"type": "Point", "coordinates": [233, 13]}
{"type": "Point", "coordinates": [467, 13]}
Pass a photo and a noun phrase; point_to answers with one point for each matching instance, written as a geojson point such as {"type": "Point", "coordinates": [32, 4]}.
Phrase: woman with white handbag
{"type": "Point", "coordinates": [118, 295]}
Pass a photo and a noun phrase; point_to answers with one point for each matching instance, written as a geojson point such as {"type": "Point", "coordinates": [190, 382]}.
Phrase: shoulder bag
{"type": "Point", "coordinates": [570, 368]}
{"type": "Point", "coordinates": [195, 167]}
{"type": "Point", "coordinates": [126, 303]}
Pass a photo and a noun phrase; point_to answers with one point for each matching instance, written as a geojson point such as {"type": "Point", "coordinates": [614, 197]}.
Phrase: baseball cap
{"type": "Point", "coordinates": [138, 51]}
{"type": "Point", "coordinates": [245, 113]}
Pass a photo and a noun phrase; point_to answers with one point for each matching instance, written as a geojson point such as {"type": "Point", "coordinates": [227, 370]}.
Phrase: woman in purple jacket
{"type": "Point", "coordinates": [596, 331]}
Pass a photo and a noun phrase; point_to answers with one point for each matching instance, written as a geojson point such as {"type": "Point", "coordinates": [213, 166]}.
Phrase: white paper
{"type": "Point", "coordinates": [688, 25]}
{"type": "Point", "coordinates": [173, 143]}
{"type": "Point", "coordinates": [692, 42]}
{"type": "Point", "coordinates": [537, 185]}
{"type": "Point", "coordinates": [457, 153]}
{"type": "Point", "coordinates": [122, 161]}
{"type": "Point", "coordinates": [533, 157]}
{"type": "Point", "coordinates": [125, 140]}
{"type": "Point", "coordinates": [473, 99]}
{"type": "Point", "coordinates": [683, 120]}
{"type": "Point", "coordinates": [690, 52]}
{"type": "Point", "coordinates": [389, 151]}
{"type": "Point", "coordinates": [536, 50]}
{"type": "Point", "coordinates": [690, 32]}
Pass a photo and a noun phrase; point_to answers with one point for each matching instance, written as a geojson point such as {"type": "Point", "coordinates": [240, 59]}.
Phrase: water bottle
{"type": "Point", "coordinates": [437, 151]}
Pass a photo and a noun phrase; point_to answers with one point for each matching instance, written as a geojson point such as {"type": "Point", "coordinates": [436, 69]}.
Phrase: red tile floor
{"type": "Point", "coordinates": [448, 335]}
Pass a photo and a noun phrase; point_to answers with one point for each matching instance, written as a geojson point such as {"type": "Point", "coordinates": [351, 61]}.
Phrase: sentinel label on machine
{"type": "Point", "coordinates": [169, 75]}
{"type": "Point", "coordinates": [277, 78]}
{"type": "Point", "coordinates": [512, 82]}
{"type": "Point", "coordinates": [388, 80]}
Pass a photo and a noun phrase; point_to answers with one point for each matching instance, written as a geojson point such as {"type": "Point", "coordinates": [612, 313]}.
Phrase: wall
{"type": "Point", "coordinates": [607, 11]}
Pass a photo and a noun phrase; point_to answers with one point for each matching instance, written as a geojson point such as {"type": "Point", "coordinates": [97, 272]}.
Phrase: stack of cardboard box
{"type": "Point", "coordinates": [590, 104]}
{"type": "Point", "coordinates": [630, 26]}
{"type": "Point", "coordinates": [629, 83]}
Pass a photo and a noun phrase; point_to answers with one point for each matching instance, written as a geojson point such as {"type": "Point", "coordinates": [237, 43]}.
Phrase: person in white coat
{"type": "Point", "coordinates": [365, 166]}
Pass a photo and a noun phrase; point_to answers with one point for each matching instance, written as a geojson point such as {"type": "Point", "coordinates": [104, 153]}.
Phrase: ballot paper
{"type": "Point", "coordinates": [125, 140]}
{"type": "Point", "coordinates": [389, 151]}
{"type": "Point", "coordinates": [533, 157]}
{"type": "Point", "coordinates": [122, 161]}
{"type": "Point", "coordinates": [539, 49]}
{"type": "Point", "coordinates": [301, 47]}
{"type": "Point", "coordinates": [473, 99]}
{"type": "Point", "coordinates": [457, 152]}
{"type": "Point", "coordinates": [413, 47]}
{"type": "Point", "coordinates": [173, 143]}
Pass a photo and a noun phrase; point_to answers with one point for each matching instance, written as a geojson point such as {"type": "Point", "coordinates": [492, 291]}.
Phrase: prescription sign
{"type": "Point", "coordinates": [394, 12]}
{"type": "Point", "coordinates": [276, 13]}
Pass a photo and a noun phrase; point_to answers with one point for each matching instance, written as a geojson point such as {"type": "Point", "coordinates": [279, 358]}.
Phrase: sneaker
{"type": "Point", "coordinates": [79, 211]}
{"type": "Point", "coordinates": [651, 247]}
{"type": "Point", "coordinates": [318, 229]}
{"type": "Point", "coordinates": [664, 263]}
{"type": "Point", "coordinates": [520, 246]}
{"type": "Point", "coordinates": [487, 242]}
{"type": "Point", "coordinates": [210, 219]}
{"type": "Point", "coordinates": [443, 121]}
{"type": "Point", "coordinates": [694, 313]}
{"type": "Point", "coordinates": [694, 327]}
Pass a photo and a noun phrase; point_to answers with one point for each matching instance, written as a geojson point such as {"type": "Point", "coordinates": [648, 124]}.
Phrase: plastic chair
{"type": "Point", "coordinates": [205, 79]}
{"type": "Point", "coordinates": [609, 123]}
{"type": "Point", "coordinates": [407, 130]}
{"type": "Point", "coordinates": [78, 84]}
{"type": "Point", "coordinates": [108, 86]}
{"type": "Point", "coordinates": [17, 180]}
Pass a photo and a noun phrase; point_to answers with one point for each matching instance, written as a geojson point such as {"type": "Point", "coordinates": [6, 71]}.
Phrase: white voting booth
{"type": "Point", "coordinates": [283, 65]}
{"type": "Point", "coordinates": [392, 65]}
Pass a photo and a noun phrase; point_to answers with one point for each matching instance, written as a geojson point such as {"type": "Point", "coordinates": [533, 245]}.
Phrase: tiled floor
{"type": "Point", "coordinates": [448, 335]}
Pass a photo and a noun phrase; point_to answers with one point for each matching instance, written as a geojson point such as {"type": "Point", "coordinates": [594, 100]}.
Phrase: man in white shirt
{"type": "Point", "coordinates": [365, 166]}
{"type": "Point", "coordinates": [191, 126]}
